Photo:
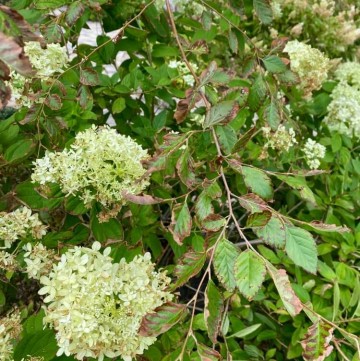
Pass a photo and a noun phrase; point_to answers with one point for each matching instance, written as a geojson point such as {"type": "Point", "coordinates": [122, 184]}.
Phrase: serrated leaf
{"type": "Point", "coordinates": [263, 11]}
{"type": "Point", "coordinates": [244, 139]}
{"type": "Point", "coordinates": [258, 219]}
{"type": "Point", "coordinates": [272, 114]}
{"type": "Point", "coordinates": [320, 226]}
{"type": "Point", "coordinates": [188, 266]}
{"type": "Point", "coordinates": [253, 203]}
{"type": "Point", "coordinates": [249, 273]}
{"type": "Point", "coordinates": [214, 306]}
{"type": "Point", "coordinates": [89, 76]}
{"type": "Point", "coordinates": [224, 262]}
{"type": "Point", "coordinates": [213, 222]}
{"type": "Point", "coordinates": [203, 205]}
{"type": "Point", "coordinates": [184, 167]}
{"type": "Point", "coordinates": [272, 233]}
{"type": "Point", "coordinates": [74, 11]}
{"type": "Point", "coordinates": [246, 331]}
{"type": "Point", "coordinates": [163, 318]}
{"type": "Point", "coordinates": [206, 353]}
{"type": "Point", "coordinates": [291, 302]}
{"type": "Point", "coordinates": [316, 343]}
{"type": "Point", "coordinates": [301, 248]}
{"type": "Point", "coordinates": [53, 101]}
{"type": "Point", "coordinates": [227, 137]}
{"type": "Point", "coordinates": [218, 113]}
{"type": "Point", "coordinates": [257, 93]}
{"type": "Point", "coordinates": [274, 64]}
{"type": "Point", "coordinates": [53, 33]}
{"type": "Point", "coordinates": [257, 181]}
{"type": "Point", "coordinates": [181, 223]}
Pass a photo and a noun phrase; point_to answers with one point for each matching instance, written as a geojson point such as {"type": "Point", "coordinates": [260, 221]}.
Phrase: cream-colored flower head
{"type": "Point", "coordinates": [344, 110]}
{"type": "Point", "coordinates": [96, 306]}
{"type": "Point", "coordinates": [10, 329]}
{"type": "Point", "coordinates": [349, 72]}
{"type": "Point", "coordinates": [313, 153]}
{"type": "Point", "coordinates": [310, 64]}
{"type": "Point", "coordinates": [100, 165]}
{"type": "Point", "coordinates": [20, 224]}
{"type": "Point", "coordinates": [282, 139]}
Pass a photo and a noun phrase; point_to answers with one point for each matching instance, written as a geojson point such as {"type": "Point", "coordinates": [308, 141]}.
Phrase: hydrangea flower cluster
{"type": "Point", "coordinates": [310, 64]}
{"type": "Point", "coordinates": [100, 165]}
{"type": "Point", "coordinates": [8, 261]}
{"type": "Point", "coordinates": [38, 259]}
{"type": "Point", "coordinates": [10, 329]}
{"type": "Point", "coordinates": [46, 62]}
{"type": "Point", "coordinates": [184, 71]}
{"type": "Point", "coordinates": [349, 72]}
{"type": "Point", "coordinates": [344, 110]}
{"type": "Point", "coordinates": [18, 224]}
{"type": "Point", "coordinates": [96, 306]}
{"type": "Point", "coordinates": [282, 139]}
{"type": "Point", "coordinates": [313, 153]}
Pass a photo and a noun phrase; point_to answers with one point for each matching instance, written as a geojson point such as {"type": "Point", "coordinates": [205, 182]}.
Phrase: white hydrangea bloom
{"type": "Point", "coordinates": [344, 110]}
{"type": "Point", "coordinates": [10, 329]}
{"type": "Point", "coordinates": [349, 72]}
{"type": "Point", "coordinates": [38, 259]}
{"type": "Point", "coordinates": [313, 153]}
{"type": "Point", "coordinates": [20, 223]}
{"type": "Point", "coordinates": [282, 139]}
{"type": "Point", "coordinates": [184, 71]}
{"type": "Point", "coordinates": [100, 165]}
{"type": "Point", "coordinates": [310, 64]}
{"type": "Point", "coordinates": [96, 306]}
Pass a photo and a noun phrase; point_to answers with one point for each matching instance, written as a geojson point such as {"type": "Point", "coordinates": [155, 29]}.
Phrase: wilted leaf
{"type": "Point", "coordinates": [316, 343]}
{"type": "Point", "coordinates": [320, 226]}
{"type": "Point", "coordinates": [258, 219]}
{"type": "Point", "coordinates": [53, 101]}
{"type": "Point", "coordinates": [85, 97]}
{"type": "Point", "coordinates": [207, 354]}
{"type": "Point", "coordinates": [219, 113]}
{"type": "Point", "coordinates": [145, 199]}
{"type": "Point", "coordinates": [13, 54]}
{"type": "Point", "coordinates": [214, 306]}
{"type": "Point", "coordinates": [185, 170]}
{"type": "Point", "coordinates": [181, 222]}
{"type": "Point", "coordinates": [253, 203]}
{"type": "Point", "coordinates": [249, 273]}
{"type": "Point", "coordinates": [301, 248]}
{"type": "Point", "coordinates": [89, 76]}
{"type": "Point", "coordinates": [189, 266]}
{"type": "Point", "coordinates": [213, 222]}
{"type": "Point", "coordinates": [163, 318]}
{"type": "Point", "coordinates": [224, 262]}
{"type": "Point", "coordinates": [244, 139]}
{"type": "Point", "coordinates": [74, 11]}
{"type": "Point", "coordinates": [286, 293]}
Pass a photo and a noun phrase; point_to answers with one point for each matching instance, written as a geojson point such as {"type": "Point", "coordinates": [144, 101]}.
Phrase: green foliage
{"type": "Point", "coordinates": [262, 250]}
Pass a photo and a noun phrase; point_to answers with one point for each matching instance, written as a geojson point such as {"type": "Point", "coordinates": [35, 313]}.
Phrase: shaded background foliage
{"type": "Point", "coordinates": [216, 200]}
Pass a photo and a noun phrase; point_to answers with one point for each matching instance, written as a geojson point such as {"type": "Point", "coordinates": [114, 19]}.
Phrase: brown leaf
{"type": "Point", "coordinates": [328, 227]}
{"type": "Point", "coordinates": [185, 105]}
{"type": "Point", "coordinates": [207, 354]}
{"type": "Point", "coordinates": [181, 223]}
{"type": "Point", "coordinates": [13, 55]}
{"type": "Point", "coordinates": [144, 199]}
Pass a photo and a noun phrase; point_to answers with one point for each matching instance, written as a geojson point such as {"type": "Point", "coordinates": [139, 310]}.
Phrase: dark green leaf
{"type": "Point", "coordinates": [274, 64]}
{"type": "Point", "coordinates": [227, 137]}
{"type": "Point", "coordinates": [118, 106]}
{"type": "Point", "coordinates": [19, 150]}
{"type": "Point", "coordinates": [263, 11]}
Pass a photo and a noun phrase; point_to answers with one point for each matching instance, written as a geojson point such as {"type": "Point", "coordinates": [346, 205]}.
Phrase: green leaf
{"type": "Point", "coordinates": [233, 42]}
{"type": "Point", "coordinates": [253, 203]}
{"type": "Point", "coordinates": [53, 101]}
{"type": "Point", "coordinates": [74, 11]}
{"type": "Point", "coordinates": [291, 302]}
{"type": "Point", "coordinates": [263, 11]}
{"type": "Point", "coordinates": [272, 114]}
{"type": "Point", "coordinates": [118, 106]}
{"type": "Point", "coordinates": [188, 266]}
{"type": "Point", "coordinates": [89, 76]}
{"type": "Point", "coordinates": [107, 230]}
{"type": "Point", "coordinates": [316, 342]}
{"type": "Point", "coordinates": [258, 219]}
{"type": "Point", "coordinates": [203, 205]}
{"type": "Point", "coordinates": [257, 181]}
{"type": "Point", "coordinates": [74, 205]}
{"type": "Point", "coordinates": [53, 33]}
{"type": "Point", "coordinates": [213, 222]}
{"type": "Point", "coordinates": [227, 137]}
{"type": "Point", "coordinates": [163, 51]}
{"type": "Point", "coordinates": [49, 4]}
{"type": "Point", "coordinates": [274, 64]}
{"type": "Point", "coordinates": [214, 306]}
{"type": "Point", "coordinates": [246, 331]}
{"type": "Point", "coordinates": [41, 344]}
{"type": "Point", "coordinates": [301, 248]}
{"type": "Point", "coordinates": [34, 324]}
{"type": "Point", "coordinates": [249, 273]}
{"type": "Point", "coordinates": [224, 262]}
{"type": "Point", "coordinates": [181, 223]}
{"type": "Point", "coordinates": [218, 113]}
{"type": "Point", "coordinates": [185, 169]}
{"type": "Point", "coordinates": [257, 93]}
{"type": "Point", "coordinates": [162, 319]}
{"type": "Point", "coordinates": [19, 150]}
{"type": "Point", "coordinates": [272, 233]}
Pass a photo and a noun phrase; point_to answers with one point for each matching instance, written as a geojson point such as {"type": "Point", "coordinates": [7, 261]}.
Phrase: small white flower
{"type": "Point", "coordinates": [313, 153]}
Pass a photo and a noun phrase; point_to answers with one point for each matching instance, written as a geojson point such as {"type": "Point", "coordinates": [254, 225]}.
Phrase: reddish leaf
{"type": "Point", "coordinates": [181, 223]}
{"type": "Point", "coordinates": [287, 294]}
{"type": "Point", "coordinates": [213, 222]}
{"type": "Point", "coordinates": [53, 101]}
{"type": "Point", "coordinates": [89, 76]}
{"type": "Point", "coordinates": [253, 203]}
{"type": "Point", "coordinates": [13, 54]}
{"type": "Point", "coordinates": [207, 354]}
{"type": "Point", "coordinates": [85, 97]}
{"type": "Point", "coordinates": [316, 344]}
{"type": "Point", "coordinates": [74, 11]}
{"type": "Point", "coordinates": [189, 266]}
{"type": "Point", "coordinates": [164, 317]}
